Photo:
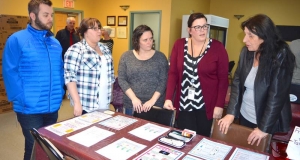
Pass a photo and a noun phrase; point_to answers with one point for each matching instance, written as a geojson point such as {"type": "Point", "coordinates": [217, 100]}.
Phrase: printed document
{"type": "Point", "coordinates": [293, 148]}
{"type": "Point", "coordinates": [121, 149]}
{"type": "Point", "coordinates": [159, 152]}
{"type": "Point", "coordinates": [118, 122]}
{"type": "Point", "coordinates": [188, 157]}
{"type": "Point", "coordinates": [149, 131]}
{"type": "Point", "coordinates": [242, 154]}
{"type": "Point", "coordinates": [94, 117]}
{"type": "Point", "coordinates": [90, 136]}
{"type": "Point", "coordinates": [68, 126]}
{"type": "Point", "coordinates": [208, 149]}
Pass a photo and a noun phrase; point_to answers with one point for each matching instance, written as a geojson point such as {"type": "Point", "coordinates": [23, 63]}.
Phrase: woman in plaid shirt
{"type": "Point", "coordinates": [89, 71]}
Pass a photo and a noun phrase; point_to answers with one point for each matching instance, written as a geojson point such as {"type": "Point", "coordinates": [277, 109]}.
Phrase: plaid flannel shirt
{"type": "Point", "coordinates": [83, 66]}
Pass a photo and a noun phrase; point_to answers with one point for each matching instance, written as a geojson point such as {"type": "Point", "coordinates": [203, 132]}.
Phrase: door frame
{"type": "Point", "coordinates": [79, 12]}
{"type": "Point", "coordinates": [131, 13]}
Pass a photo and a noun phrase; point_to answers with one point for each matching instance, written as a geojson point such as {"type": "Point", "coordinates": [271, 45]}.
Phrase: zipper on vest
{"type": "Point", "coordinates": [49, 73]}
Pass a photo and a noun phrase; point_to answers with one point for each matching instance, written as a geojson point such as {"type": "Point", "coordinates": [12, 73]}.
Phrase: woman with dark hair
{"type": "Point", "coordinates": [261, 84]}
{"type": "Point", "coordinates": [89, 72]}
{"type": "Point", "coordinates": [199, 73]}
{"type": "Point", "coordinates": [142, 73]}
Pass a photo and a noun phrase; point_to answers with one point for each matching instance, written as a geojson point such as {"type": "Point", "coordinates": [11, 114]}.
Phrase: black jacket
{"type": "Point", "coordinates": [63, 36]}
{"type": "Point", "coordinates": [271, 95]}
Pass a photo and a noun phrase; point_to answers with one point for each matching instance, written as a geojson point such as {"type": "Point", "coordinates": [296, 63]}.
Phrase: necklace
{"type": "Point", "coordinates": [195, 63]}
{"type": "Point", "coordinates": [193, 49]}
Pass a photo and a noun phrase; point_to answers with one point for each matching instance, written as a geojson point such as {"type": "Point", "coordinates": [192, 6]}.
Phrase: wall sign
{"type": "Point", "coordinates": [68, 3]}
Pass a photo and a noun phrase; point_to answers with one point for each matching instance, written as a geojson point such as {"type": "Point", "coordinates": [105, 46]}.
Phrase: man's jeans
{"type": "Point", "coordinates": [29, 121]}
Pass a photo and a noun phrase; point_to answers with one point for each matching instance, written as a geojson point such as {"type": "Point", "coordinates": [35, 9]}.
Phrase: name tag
{"type": "Point", "coordinates": [191, 93]}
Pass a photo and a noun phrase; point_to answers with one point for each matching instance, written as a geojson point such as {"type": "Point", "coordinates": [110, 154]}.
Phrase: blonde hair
{"type": "Point", "coordinates": [107, 29]}
{"type": "Point", "coordinates": [70, 19]}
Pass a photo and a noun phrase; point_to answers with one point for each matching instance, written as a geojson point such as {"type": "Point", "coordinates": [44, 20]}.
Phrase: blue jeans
{"type": "Point", "coordinates": [128, 111]}
{"type": "Point", "coordinates": [29, 121]}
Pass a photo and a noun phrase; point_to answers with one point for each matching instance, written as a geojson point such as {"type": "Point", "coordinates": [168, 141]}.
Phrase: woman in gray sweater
{"type": "Point", "coordinates": [143, 73]}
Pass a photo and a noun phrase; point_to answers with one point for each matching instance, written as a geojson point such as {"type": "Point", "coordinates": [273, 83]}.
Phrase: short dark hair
{"type": "Point", "coordinates": [34, 5]}
{"type": "Point", "coordinates": [137, 33]}
{"type": "Point", "coordinates": [87, 23]}
{"type": "Point", "coordinates": [193, 17]}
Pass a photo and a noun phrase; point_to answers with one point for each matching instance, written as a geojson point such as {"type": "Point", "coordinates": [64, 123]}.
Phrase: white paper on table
{"type": "Point", "coordinates": [90, 136]}
{"type": "Point", "coordinates": [188, 157]}
{"type": "Point", "coordinates": [118, 122]}
{"type": "Point", "coordinates": [121, 149]}
{"type": "Point", "coordinates": [160, 152]}
{"type": "Point", "coordinates": [293, 148]}
{"type": "Point", "coordinates": [68, 126]}
{"type": "Point", "coordinates": [242, 154]}
{"type": "Point", "coordinates": [208, 149]}
{"type": "Point", "coordinates": [94, 117]}
{"type": "Point", "coordinates": [149, 131]}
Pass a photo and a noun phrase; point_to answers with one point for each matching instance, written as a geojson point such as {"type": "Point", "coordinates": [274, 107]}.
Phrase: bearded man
{"type": "Point", "coordinates": [33, 72]}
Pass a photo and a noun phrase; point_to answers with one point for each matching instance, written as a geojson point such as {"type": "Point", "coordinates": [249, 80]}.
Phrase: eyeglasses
{"type": "Point", "coordinates": [96, 28]}
{"type": "Point", "coordinates": [198, 27]}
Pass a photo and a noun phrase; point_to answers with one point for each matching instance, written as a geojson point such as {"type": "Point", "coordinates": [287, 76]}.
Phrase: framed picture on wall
{"type": "Point", "coordinates": [111, 20]}
{"type": "Point", "coordinates": [113, 32]}
{"type": "Point", "coordinates": [121, 32]}
{"type": "Point", "coordinates": [122, 20]}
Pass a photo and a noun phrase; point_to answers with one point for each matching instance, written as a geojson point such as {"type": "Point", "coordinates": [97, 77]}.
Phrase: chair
{"type": "Point", "coordinates": [158, 115]}
{"type": "Point", "coordinates": [238, 135]}
{"type": "Point", "coordinates": [117, 96]}
{"type": "Point", "coordinates": [52, 152]}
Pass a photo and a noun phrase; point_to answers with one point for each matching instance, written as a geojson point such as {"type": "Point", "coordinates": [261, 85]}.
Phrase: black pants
{"type": "Point", "coordinates": [84, 112]}
{"type": "Point", "coordinates": [196, 121]}
{"type": "Point", "coordinates": [245, 122]}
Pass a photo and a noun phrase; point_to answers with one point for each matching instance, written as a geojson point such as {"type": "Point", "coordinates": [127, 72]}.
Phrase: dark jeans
{"type": "Point", "coordinates": [29, 121]}
{"type": "Point", "coordinates": [128, 111]}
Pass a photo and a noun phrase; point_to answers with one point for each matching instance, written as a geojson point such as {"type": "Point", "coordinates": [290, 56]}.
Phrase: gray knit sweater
{"type": "Point", "coordinates": [144, 77]}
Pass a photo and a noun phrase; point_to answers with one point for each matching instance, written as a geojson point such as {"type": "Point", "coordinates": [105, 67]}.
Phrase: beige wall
{"type": "Point", "coordinates": [19, 7]}
{"type": "Point", "coordinates": [281, 12]}
{"type": "Point", "coordinates": [101, 9]}
{"type": "Point", "coordinates": [112, 8]}
{"type": "Point", "coordinates": [179, 8]}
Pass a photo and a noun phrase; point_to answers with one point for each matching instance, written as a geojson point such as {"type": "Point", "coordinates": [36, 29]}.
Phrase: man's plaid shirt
{"type": "Point", "coordinates": [83, 66]}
